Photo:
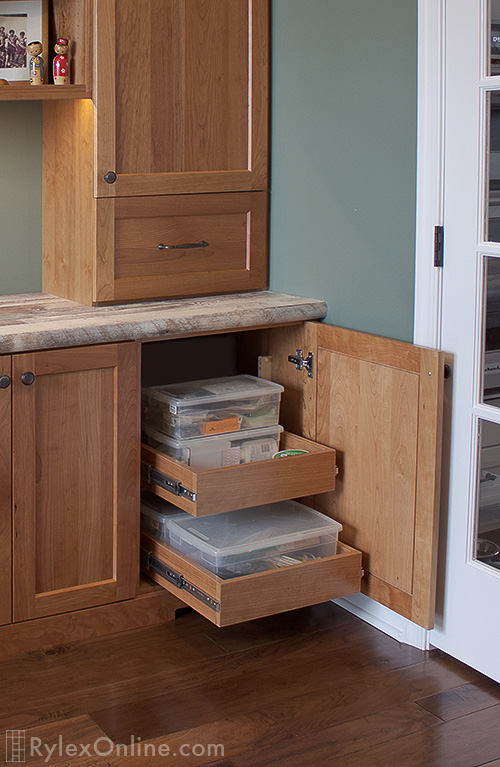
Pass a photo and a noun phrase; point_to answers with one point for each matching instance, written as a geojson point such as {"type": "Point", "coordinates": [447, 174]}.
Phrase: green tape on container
{"type": "Point", "coordinates": [286, 453]}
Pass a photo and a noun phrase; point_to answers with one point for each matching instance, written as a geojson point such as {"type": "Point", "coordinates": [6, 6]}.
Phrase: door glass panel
{"type": "Point", "coordinates": [491, 358]}
{"type": "Point", "coordinates": [494, 37]}
{"type": "Point", "coordinates": [492, 233]}
{"type": "Point", "coordinates": [487, 541]}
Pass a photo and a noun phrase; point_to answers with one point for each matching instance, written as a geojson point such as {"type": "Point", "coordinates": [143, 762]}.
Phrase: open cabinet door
{"type": "Point", "coordinates": [378, 402]}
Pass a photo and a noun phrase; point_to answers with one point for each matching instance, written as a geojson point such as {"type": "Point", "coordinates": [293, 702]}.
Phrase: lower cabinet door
{"type": "Point", "coordinates": [225, 602]}
{"type": "Point", "coordinates": [75, 478]}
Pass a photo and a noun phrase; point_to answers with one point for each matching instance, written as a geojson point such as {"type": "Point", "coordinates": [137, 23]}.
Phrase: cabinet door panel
{"type": "Point", "coordinates": [5, 495]}
{"type": "Point", "coordinates": [182, 96]}
{"type": "Point", "coordinates": [75, 479]}
{"type": "Point", "coordinates": [379, 402]}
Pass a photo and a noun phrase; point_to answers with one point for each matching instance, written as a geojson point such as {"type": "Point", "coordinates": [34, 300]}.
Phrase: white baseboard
{"type": "Point", "coordinates": [386, 620]}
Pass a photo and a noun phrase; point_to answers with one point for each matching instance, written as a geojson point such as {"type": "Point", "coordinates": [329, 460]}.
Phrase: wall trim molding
{"type": "Point", "coordinates": [380, 617]}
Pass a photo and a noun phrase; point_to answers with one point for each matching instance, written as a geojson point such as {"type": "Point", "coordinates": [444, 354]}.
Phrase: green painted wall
{"type": "Point", "coordinates": [343, 164]}
{"type": "Point", "coordinates": [20, 197]}
{"type": "Point", "coordinates": [343, 158]}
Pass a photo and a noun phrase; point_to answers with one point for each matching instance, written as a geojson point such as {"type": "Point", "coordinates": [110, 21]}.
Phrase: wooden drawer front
{"type": "Point", "coordinates": [225, 602]}
{"type": "Point", "coordinates": [238, 487]}
{"type": "Point", "coordinates": [235, 258]}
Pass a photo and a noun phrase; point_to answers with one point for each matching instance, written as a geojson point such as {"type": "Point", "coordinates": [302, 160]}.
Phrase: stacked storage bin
{"type": "Point", "coordinates": [213, 424]}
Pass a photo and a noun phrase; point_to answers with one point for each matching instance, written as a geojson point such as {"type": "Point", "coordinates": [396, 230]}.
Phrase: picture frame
{"type": "Point", "coordinates": [21, 22]}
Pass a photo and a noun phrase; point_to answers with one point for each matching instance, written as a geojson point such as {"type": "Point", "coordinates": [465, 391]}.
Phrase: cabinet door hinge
{"type": "Point", "coordinates": [439, 246]}
{"type": "Point", "coordinates": [301, 362]}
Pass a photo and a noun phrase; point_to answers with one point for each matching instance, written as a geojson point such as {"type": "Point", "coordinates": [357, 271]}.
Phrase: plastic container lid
{"type": "Point", "coordinates": [214, 390]}
{"type": "Point", "coordinates": [244, 530]}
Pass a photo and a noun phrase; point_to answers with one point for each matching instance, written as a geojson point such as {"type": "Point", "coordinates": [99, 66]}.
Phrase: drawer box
{"type": "Point", "coordinates": [238, 487]}
{"type": "Point", "coordinates": [225, 239]}
{"type": "Point", "coordinates": [225, 602]}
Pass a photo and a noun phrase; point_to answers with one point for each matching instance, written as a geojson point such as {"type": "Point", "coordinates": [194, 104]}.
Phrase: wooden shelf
{"type": "Point", "coordinates": [27, 92]}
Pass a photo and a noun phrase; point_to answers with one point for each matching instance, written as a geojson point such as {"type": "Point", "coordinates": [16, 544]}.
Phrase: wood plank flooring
{"type": "Point", "coordinates": [308, 688]}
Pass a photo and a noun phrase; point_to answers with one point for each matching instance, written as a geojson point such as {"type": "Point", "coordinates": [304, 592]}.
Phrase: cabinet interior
{"type": "Point", "coordinates": [252, 352]}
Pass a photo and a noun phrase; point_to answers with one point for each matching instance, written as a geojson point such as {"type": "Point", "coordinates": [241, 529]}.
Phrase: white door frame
{"type": "Point", "coordinates": [428, 278]}
{"type": "Point", "coordinates": [430, 170]}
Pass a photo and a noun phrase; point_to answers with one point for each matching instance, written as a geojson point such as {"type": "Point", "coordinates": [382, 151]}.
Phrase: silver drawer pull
{"type": "Point", "coordinates": [186, 246]}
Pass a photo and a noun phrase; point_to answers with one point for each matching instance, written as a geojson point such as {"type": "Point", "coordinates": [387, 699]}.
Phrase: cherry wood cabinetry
{"type": "Point", "coordinates": [378, 403]}
{"type": "Point", "coordinates": [172, 152]}
{"type": "Point", "coordinates": [74, 480]}
{"type": "Point", "coordinates": [5, 490]}
{"type": "Point", "coordinates": [181, 96]}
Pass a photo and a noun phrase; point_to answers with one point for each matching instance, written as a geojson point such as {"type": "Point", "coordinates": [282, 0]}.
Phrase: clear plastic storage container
{"type": "Point", "coordinates": [213, 406]}
{"type": "Point", "coordinates": [219, 450]}
{"type": "Point", "coordinates": [155, 513]}
{"type": "Point", "coordinates": [246, 541]}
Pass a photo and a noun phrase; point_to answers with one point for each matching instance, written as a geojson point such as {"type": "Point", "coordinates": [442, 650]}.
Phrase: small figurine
{"type": "Point", "coordinates": [60, 66]}
{"type": "Point", "coordinates": [35, 49]}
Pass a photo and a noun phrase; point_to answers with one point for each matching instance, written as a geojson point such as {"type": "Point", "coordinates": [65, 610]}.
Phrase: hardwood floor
{"type": "Point", "coordinates": [308, 688]}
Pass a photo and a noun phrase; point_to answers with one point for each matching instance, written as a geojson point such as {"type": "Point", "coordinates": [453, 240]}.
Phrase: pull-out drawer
{"type": "Point", "coordinates": [184, 245]}
{"type": "Point", "coordinates": [238, 487]}
{"type": "Point", "coordinates": [225, 602]}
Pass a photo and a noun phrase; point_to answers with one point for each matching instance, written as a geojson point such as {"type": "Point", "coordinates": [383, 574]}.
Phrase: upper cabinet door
{"type": "Point", "coordinates": [181, 96]}
{"type": "Point", "coordinates": [76, 476]}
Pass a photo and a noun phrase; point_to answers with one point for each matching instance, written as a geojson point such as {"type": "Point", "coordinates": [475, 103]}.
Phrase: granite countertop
{"type": "Point", "coordinates": [34, 321]}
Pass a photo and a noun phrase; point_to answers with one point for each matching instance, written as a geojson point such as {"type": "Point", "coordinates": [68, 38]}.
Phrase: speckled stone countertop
{"type": "Point", "coordinates": [34, 321]}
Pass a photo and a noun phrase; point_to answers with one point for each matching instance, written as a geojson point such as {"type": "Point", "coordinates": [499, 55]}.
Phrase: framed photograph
{"type": "Point", "coordinates": [21, 22]}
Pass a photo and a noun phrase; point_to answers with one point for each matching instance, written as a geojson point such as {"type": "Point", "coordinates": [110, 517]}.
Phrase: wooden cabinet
{"type": "Point", "coordinates": [378, 403]}
{"type": "Point", "coordinates": [181, 96]}
{"type": "Point", "coordinates": [223, 234]}
{"type": "Point", "coordinates": [5, 490]}
{"type": "Point", "coordinates": [74, 480]}
{"type": "Point", "coordinates": [173, 151]}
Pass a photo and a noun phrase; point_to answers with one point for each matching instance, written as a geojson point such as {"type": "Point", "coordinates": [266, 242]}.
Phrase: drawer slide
{"type": "Point", "coordinates": [155, 477]}
{"type": "Point", "coordinates": [154, 565]}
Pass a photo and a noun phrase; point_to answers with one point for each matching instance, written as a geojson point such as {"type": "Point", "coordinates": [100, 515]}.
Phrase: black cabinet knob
{"type": "Point", "coordinates": [28, 378]}
{"type": "Point", "coordinates": [4, 382]}
{"type": "Point", "coordinates": [110, 177]}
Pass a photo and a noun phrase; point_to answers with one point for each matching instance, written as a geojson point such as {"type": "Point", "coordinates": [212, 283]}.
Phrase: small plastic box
{"type": "Point", "coordinates": [213, 406]}
{"type": "Point", "coordinates": [220, 450]}
{"type": "Point", "coordinates": [155, 513]}
{"type": "Point", "coordinates": [247, 541]}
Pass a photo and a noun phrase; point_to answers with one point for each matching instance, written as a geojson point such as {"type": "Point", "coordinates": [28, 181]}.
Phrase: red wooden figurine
{"type": "Point", "coordinates": [60, 66]}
